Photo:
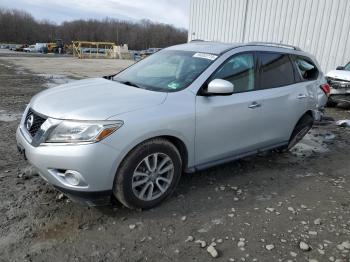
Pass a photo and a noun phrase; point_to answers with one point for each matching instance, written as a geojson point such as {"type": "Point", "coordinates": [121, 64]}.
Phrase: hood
{"type": "Point", "coordinates": [93, 99]}
{"type": "Point", "coordinates": [339, 74]}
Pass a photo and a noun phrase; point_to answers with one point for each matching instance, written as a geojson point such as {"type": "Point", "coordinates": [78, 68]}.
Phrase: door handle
{"type": "Point", "coordinates": [301, 96]}
{"type": "Point", "coordinates": [254, 105]}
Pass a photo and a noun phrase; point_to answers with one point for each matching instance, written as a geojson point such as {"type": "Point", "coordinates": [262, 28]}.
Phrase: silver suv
{"type": "Point", "coordinates": [183, 109]}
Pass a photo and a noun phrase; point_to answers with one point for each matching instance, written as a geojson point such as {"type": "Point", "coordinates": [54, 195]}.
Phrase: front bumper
{"type": "Point", "coordinates": [97, 164]}
{"type": "Point", "coordinates": [99, 198]}
{"type": "Point", "coordinates": [340, 97]}
{"type": "Point", "coordinates": [340, 90]}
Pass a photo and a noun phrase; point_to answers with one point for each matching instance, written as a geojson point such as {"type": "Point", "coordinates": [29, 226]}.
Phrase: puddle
{"type": "Point", "coordinates": [9, 116]}
{"type": "Point", "coordinates": [208, 226]}
{"type": "Point", "coordinates": [21, 70]}
{"type": "Point", "coordinates": [55, 80]}
{"type": "Point", "coordinates": [52, 79]}
{"type": "Point", "coordinates": [263, 197]}
{"type": "Point", "coordinates": [4, 65]}
{"type": "Point", "coordinates": [313, 142]}
{"type": "Point", "coordinates": [308, 175]}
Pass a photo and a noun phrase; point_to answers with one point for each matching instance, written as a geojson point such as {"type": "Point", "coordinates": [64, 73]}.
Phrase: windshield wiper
{"type": "Point", "coordinates": [128, 83]}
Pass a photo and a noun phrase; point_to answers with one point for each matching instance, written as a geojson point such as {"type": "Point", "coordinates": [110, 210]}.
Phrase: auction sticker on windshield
{"type": "Point", "coordinates": [173, 85]}
{"type": "Point", "coordinates": [205, 56]}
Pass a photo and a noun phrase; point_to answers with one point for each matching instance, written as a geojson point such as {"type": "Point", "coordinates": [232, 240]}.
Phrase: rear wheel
{"type": "Point", "coordinates": [148, 175]}
{"type": "Point", "coordinates": [300, 130]}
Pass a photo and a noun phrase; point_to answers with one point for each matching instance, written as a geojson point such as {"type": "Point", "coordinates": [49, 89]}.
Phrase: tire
{"type": "Point", "coordinates": [132, 184]}
{"type": "Point", "coordinates": [301, 129]}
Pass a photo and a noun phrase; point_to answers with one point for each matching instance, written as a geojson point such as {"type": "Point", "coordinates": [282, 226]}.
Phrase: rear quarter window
{"type": "Point", "coordinates": [307, 70]}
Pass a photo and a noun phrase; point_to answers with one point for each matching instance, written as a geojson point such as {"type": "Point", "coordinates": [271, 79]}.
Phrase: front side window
{"type": "Point", "coordinates": [166, 71]}
{"type": "Point", "coordinates": [347, 67]}
{"type": "Point", "coordinates": [239, 70]}
{"type": "Point", "coordinates": [307, 69]}
{"type": "Point", "coordinates": [276, 70]}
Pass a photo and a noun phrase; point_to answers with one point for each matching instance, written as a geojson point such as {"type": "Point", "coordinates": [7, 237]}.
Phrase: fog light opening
{"type": "Point", "coordinates": [72, 177]}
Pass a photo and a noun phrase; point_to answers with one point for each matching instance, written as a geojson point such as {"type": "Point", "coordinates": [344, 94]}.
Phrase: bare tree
{"type": "Point", "coordinates": [21, 27]}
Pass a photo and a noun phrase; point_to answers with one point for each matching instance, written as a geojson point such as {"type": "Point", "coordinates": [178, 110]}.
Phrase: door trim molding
{"type": "Point", "coordinates": [232, 158]}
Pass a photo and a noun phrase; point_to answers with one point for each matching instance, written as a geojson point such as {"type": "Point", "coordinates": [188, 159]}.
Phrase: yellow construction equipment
{"type": "Point", "coordinates": [51, 47]}
{"type": "Point", "coordinates": [85, 49]}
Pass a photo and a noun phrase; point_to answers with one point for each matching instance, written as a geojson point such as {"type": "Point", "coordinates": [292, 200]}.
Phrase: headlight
{"type": "Point", "coordinates": [82, 131]}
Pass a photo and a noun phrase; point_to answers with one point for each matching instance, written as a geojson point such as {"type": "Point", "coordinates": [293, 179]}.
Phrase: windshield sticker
{"type": "Point", "coordinates": [173, 85]}
{"type": "Point", "coordinates": [205, 56]}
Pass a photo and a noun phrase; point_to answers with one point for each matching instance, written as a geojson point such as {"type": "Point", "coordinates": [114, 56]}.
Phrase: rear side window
{"type": "Point", "coordinates": [276, 70]}
{"type": "Point", "coordinates": [306, 68]}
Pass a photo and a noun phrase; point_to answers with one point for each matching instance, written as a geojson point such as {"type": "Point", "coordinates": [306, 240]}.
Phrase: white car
{"type": "Point", "coordinates": [29, 49]}
{"type": "Point", "coordinates": [339, 81]}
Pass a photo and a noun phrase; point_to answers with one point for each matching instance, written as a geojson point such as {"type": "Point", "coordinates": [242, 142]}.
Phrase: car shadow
{"type": "Point", "coordinates": [230, 183]}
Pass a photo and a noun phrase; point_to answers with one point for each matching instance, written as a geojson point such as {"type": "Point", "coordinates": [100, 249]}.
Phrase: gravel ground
{"type": "Point", "coordinates": [271, 207]}
{"type": "Point", "coordinates": [55, 67]}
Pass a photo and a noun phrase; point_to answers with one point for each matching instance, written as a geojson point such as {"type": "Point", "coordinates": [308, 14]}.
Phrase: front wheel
{"type": "Point", "coordinates": [300, 130]}
{"type": "Point", "coordinates": [148, 175]}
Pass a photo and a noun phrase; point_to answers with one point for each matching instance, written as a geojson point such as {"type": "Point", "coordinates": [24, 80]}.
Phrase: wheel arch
{"type": "Point", "coordinates": [122, 183]}
{"type": "Point", "coordinates": [175, 140]}
{"type": "Point", "coordinates": [310, 113]}
{"type": "Point", "coordinates": [180, 145]}
{"type": "Point", "coordinates": [307, 113]}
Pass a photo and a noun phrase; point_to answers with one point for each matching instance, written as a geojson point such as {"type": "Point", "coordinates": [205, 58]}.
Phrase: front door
{"type": "Point", "coordinates": [229, 125]}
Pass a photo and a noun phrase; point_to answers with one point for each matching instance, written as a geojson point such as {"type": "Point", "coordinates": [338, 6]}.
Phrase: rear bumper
{"type": "Point", "coordinates": [317, 115]}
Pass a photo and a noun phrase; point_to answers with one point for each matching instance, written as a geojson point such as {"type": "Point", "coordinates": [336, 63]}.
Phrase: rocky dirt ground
{"type": "Point", "coordinates": [293, 206]}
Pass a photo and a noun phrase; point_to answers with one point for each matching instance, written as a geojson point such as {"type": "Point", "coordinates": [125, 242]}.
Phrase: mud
{"type": "Point", "coordinates": [269, 199]}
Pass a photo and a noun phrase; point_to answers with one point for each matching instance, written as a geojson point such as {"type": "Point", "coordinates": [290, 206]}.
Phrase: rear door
{"type": "Point", "coordinates": [283, 100]}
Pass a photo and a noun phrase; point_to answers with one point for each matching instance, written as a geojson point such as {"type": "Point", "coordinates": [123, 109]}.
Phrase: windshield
{"type": "Point", "coordinates": [347, 67]}
{"type": "Point", "coordinates": [166, 71]}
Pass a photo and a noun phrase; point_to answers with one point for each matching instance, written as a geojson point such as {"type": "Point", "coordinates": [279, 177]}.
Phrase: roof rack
{"type": "Point", "coordinates": [275, 45]}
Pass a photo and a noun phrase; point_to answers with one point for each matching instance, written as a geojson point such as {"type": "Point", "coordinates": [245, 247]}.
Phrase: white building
{"type": "Point", "coordinates": [321, 27]}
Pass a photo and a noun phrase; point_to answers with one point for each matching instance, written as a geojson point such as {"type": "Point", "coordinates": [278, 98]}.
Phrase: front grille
{"type": "Point", "coordinates": [33, 122]}
{"type": "Point", "coordinates": [338, 83]}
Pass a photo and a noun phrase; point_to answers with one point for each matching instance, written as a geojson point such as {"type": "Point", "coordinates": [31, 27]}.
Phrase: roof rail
{"type": "Point", "coordinates": [275, 45]}
{"type": "Point", "coordinates": [197, 40]}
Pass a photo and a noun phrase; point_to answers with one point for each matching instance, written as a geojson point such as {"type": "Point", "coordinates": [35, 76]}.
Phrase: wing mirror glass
{"type": "Point", "coordinates": [220, 87]}
{"type": "Point", "coordinates": [340, 68]}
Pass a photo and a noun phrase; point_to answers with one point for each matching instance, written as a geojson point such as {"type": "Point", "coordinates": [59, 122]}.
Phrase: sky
{"type": "Point", "coordinates": [173, 12]}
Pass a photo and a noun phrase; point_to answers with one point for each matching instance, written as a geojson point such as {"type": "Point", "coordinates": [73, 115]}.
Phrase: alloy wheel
{"type": "Point", "coordinates": [152, 176]}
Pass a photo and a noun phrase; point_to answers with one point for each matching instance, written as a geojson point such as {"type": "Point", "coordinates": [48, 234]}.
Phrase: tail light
{"type": "Point", "coordinates": [326, 89]}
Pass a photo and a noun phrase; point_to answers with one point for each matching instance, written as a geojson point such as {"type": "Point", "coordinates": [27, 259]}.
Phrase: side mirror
{"type": "Point", "coordinates": [340, 68]}
{"type": "Point", "coordinates": [220, 87]}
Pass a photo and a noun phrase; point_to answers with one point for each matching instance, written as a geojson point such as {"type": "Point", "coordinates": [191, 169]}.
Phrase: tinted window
{"type": "Point", "coordinates": [276, 70]}
{"type": "Point", "coordinates": [239, 70]}
{"type": "Point", "coordinates": [307, 69]}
